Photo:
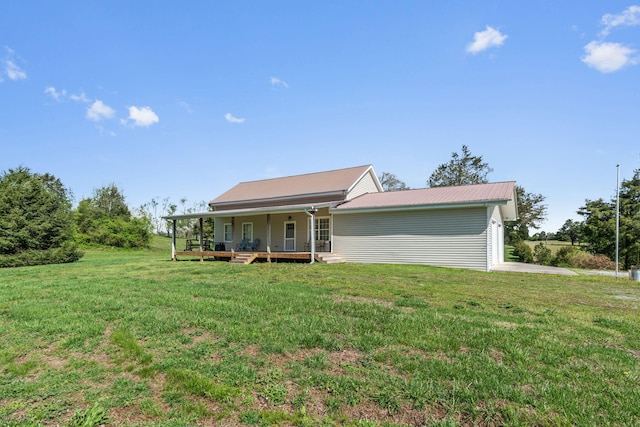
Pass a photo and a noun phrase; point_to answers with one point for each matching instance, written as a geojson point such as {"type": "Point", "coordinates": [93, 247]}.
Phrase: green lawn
{"type": "Point", "coordinates": [131, 338]}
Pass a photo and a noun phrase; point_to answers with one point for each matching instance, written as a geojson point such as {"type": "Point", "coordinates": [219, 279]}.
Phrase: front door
{"type": "Point", "coordinates": [290, 236]}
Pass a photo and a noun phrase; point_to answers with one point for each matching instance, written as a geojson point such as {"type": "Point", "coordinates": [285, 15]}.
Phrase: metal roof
{"type": "Point", "coordinates": [337, 182]}
{"type": "Point", "coordinates": [493, 193]}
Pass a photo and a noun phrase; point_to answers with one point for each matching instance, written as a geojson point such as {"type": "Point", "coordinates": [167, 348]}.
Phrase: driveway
{"type": "Point", "coordinates": [521, 267]}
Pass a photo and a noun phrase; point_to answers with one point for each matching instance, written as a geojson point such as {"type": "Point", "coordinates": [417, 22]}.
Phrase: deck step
{"type": "Point", "coordinates": [243, 258]}
{"type": "Point", "coordinates": [329, 258]}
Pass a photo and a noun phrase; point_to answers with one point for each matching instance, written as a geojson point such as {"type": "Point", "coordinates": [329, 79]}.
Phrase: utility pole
{"type": "Point", "coordinates": [617, 218]}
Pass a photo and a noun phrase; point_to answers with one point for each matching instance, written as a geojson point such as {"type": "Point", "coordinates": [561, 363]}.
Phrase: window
{"type": "Point", "coordinates": [322, 229]}
{"type": "Point", "coordinates": [247, 230]}
{"type": "Point", "coordinates": [228, 233]}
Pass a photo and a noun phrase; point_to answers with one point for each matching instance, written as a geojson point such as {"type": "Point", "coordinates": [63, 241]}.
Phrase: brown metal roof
{"type": "Point", "coordinates": [319, 183]}
{"type": "Point", "coordinates": [494, 192]}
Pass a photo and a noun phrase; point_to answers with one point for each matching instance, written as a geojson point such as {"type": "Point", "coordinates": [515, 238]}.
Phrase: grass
{"type": "Point", "coordinates": [130, 338]}
{"type": "Point", "coordinates": [553, 245]}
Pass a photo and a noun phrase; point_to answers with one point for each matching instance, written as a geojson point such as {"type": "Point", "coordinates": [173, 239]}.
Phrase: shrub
{"type": "Point", "coordinates": [568, 256]}
{"type": "Point", "coordinates": [68, 252]}
{"type": "Point", "coordinates": [523, 252]}
{"type": "Point", "coordinates": [542, 254]}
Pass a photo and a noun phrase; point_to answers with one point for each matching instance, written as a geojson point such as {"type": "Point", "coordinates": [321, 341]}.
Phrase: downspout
{"type": "Point", "coordinates": [487, 246]}
{"type": "Point", "coordinates": [311, 212]}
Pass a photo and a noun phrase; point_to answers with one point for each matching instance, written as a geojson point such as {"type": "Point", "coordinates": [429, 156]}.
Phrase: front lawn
{"type": "Point", "coordinates": [131, 338]}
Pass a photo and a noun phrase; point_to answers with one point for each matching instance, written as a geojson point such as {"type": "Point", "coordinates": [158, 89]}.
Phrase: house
{"type": "Point", "coordinates": [352, 217]}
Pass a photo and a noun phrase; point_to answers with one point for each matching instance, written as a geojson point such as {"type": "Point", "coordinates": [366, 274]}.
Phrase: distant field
{"type": "Point", "coordinates": [129, 338]}
{"type": "Point", "coordinates": [554, 245]}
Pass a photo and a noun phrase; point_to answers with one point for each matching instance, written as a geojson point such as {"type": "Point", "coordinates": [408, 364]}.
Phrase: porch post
{"type": "Point", "coordinates": [233, 234]}
{"type": "Point", "coordinates": [173, 240]}
{"type": "Point", "coordinates": [200, 236]}
{"type": "Point", "coordinates": [268, 237]}
{"type": "Point", "coordinates": [312, 238]}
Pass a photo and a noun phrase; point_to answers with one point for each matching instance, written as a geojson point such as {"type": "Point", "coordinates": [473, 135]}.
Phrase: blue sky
{"type": "Point", "coordinates": [185, 99]}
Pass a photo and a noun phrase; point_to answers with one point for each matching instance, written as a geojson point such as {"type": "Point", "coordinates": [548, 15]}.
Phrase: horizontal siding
{"type": "Point", "coordinates": [448, 237]}
{"type": "Point", "coordinates": [366, 185]}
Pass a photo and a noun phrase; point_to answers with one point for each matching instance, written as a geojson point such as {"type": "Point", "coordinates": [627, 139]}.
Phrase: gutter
{"type": "Point", "coordinates": [417, 207]}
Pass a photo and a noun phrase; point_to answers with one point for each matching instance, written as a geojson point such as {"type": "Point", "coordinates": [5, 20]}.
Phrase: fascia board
{"type": "Point", "coordinates": [344, 211]}
{"type": "Point", "coordinates": [375, 178]}
{"type": "Point", "coordinates": [278, 199]}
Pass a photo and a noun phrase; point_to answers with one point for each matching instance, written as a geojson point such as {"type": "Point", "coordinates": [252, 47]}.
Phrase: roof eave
{"type": "Point", "coordinates": [431, 206]}
{"type": "Point", "coordinates": [214, 204]}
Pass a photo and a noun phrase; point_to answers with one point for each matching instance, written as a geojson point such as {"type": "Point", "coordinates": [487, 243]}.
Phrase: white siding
{"type": "Point", "coordinates": [496, 237]}
{"type": "Point", "coordinates": [366, 184]}
{"type": "Point", "coordinates": [447, 237]}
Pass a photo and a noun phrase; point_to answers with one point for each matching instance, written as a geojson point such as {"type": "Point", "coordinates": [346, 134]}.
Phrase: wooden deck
{"type": "Point", "coordinates": [228, 255]}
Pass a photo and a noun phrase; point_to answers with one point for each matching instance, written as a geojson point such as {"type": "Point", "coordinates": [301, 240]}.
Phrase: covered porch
{"type": "Point", "coordinates": [283, 233]}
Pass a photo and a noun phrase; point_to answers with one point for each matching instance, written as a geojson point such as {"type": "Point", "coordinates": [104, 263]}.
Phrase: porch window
{"type": "Point", "coordinates": [322, 229]}
{"type": "Point", "coordinates": [247, 230]}
{"type": "Point", "coordinates": [228, 232]}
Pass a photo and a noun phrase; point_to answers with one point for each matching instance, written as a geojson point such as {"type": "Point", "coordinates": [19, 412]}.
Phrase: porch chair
{"type": "Point", "coordinates": [242, 246]}
{"type": "Point", "coordinates": [252, 246]}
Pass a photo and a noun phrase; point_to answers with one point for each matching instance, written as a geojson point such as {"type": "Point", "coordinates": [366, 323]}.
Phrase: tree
{"type": "Point", "coordinates": [155, 210]}
{"type": "Point", "coordinates": [35, 219]}
{"type": "Point", "coordinates": [465, 169]}
{"type": "Point", "coordinates": [462, 169]}
{"type": "Point", "coordinates": [531, 212]}
{"type": "Point", "coordinates": [570, 231]}
{"type": "Point", "coordinates": [600, 223]}
{"type": "Point", "coordinates": [390, 182]}
{"type": "Point", "coordinates": [105, 219]}
{"type": "Point", "coordinates": [109, 201]}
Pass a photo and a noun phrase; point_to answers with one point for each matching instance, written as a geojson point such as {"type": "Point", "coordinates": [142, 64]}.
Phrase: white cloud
{"type": "Point", "coordinates": [231, 119]}
{"type": "Point", "coordinates": [483, 40]}
{"type": "Point", "coordinates": [278, 82]}
{"type": "Point", "coordinates": [55, 94]}
{"type": "Point", "coordinates": [142, 116]}
{"type": "Point", "coordinates": [13, 71]}
{"type": "Point", "coordinates": [99, 111]}
{"type": "Point", "coordinates": [81, 97]}
{"type": "Point", "coordinates": [628, 18]}
{"type": "Point", "coordinates": [608, 57]}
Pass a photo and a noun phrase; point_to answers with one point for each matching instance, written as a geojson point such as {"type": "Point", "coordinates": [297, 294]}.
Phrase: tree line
{"type": "Point", "coordinates": [38, 224]}
{"type": "Point", "coordinates": [594, 235]}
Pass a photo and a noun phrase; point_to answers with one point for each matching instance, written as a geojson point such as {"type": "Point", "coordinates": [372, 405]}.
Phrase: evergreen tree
{"type": "Point", "coordinates": [600, 223]}
{"type": "Point", "coordinates": [35, 215]}
{"type": "Point", "coordinates": [462, 169]}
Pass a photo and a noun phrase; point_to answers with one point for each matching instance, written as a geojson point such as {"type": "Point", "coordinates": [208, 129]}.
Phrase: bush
{"type": "Point", "coordinates": [542, 254]}
{"type": "Point", "coordinates": [116, 232]}
{"type": "Point", "coordinates": [523, 252]}
{"type": "Point", "coordinates": [68, 252]}
{"type": "Point", "coordinates": [568, 256]}
{"type": "Point", "coordinates": [571, 256]}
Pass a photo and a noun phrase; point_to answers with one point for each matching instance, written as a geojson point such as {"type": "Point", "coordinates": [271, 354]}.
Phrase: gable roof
{"type": "Point", "coordinates": [499, 193]}
{"type": "Point", "coordinates": [335, 183]}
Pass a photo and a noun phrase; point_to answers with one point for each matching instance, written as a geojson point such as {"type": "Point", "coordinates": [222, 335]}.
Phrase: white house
{"type": "Point", "coordinates": [345, 213]}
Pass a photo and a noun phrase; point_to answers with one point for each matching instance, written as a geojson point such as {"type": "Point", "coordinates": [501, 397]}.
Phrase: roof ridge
{"type": "Point", "coordinates": [304, 174]}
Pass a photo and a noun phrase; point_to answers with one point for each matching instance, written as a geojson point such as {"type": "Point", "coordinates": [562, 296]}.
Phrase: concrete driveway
{"type": "Point", "coordinates": [521, 267]}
